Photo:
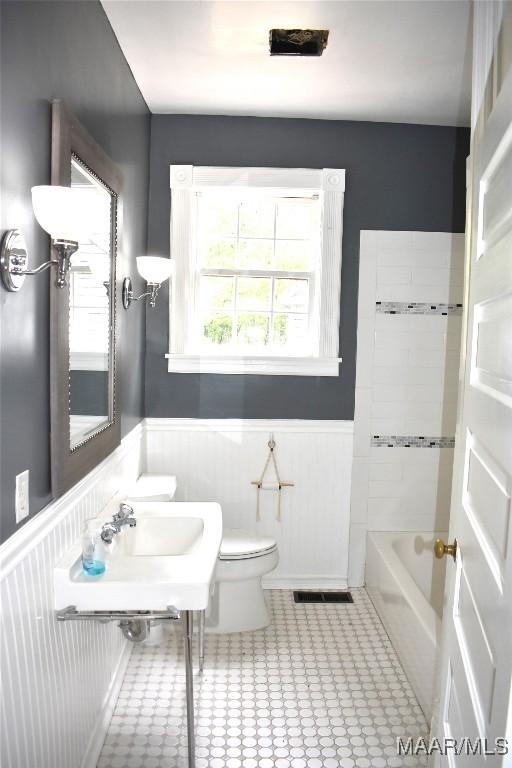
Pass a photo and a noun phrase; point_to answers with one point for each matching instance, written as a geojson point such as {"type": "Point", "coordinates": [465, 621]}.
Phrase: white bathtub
{"type": "Point", "coordinates": [406, 584]}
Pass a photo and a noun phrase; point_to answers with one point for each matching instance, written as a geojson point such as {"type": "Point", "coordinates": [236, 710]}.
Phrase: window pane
{"type": "Point", "coordinates": [292, 294]}
{"type": "Point", "coordinates": [294, 255]}
{"type": "Point", "coordinates": [218, 328]}
{"type": "Point", "coordinates": [218, 254]}
{"type": "Point", "coordinates": [254, 292]}
{"type": "Point", "coordinates": [217, 292]}
{"type": "Point", "coordinates": [253, 328]}
{"type": "Point", "coordinates": [297, 219]}
{"type": "Point", "coordinates": [257, 218]}
{"type": "Point", "coordinates": [290, 330]}
{"type": "Point", "coordinates": [256, 254]}
{"type": "Point", "coordinates": [219, 218]}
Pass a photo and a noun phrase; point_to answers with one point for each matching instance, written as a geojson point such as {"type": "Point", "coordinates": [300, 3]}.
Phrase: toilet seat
{"type": "Point", "coordinates": [238, 544]}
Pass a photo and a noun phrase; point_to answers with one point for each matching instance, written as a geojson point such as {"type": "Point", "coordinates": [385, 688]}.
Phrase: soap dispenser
{"type": "Point", "coordinates": [93, 551]}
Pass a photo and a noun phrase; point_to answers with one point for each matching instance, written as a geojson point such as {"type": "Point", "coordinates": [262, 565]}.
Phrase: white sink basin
{"type": "Point", "coordinates": [167, 559]}
{"type": "Point", "coordinates": [161, 535]}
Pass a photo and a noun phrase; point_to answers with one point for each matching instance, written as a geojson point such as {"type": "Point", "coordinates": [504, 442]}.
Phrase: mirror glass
{"type": "Point", "coordinates": [90, 311]}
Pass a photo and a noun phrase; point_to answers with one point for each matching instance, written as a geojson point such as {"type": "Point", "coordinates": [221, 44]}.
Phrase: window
{"type": "Point", "coordinates": [258, 263]}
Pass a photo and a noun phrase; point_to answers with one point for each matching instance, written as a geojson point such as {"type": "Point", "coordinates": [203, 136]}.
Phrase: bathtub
{"type": "Point", "coordinates": [406, 585]}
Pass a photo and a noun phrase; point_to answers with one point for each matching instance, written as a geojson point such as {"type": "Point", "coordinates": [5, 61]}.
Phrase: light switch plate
{"type": "Point", "coordinates": [21, 496]}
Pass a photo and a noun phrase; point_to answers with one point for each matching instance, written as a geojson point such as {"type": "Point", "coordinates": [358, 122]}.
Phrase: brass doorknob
{"type": "Point", "coordinates": [441, 549]}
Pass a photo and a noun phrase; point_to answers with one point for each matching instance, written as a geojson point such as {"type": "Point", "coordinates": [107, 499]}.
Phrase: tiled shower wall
{"type": "Point", "coordinates": [56, 677]}
{"type": "Point", "coordinates": [408, 344]}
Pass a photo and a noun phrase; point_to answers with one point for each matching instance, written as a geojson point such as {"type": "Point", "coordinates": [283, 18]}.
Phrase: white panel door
{"type": "Point", "coordinates": [476, 663]}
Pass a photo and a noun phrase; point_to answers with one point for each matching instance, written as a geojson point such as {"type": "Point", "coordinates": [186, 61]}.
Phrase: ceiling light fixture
{"type": "Point", "coordinates": [298, 42]}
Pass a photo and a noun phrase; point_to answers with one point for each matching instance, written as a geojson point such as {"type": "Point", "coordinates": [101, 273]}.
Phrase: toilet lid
{"type": "Point", "coordinates": [238, 544]}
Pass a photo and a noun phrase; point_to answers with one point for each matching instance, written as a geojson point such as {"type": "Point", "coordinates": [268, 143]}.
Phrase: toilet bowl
{"type": "Point", "coordinates": [238, 602]}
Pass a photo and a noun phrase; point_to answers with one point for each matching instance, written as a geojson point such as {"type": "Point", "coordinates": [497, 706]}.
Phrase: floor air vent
{"type": "Point", "coordinates": [322, 597]}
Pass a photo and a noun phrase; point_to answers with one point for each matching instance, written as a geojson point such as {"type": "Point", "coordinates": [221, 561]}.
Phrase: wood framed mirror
{"type": "Point", "coordinates": [84, 400]}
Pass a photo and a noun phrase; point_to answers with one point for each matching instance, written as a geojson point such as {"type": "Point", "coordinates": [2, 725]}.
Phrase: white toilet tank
{"type": "Point", "coordinates": [152, 488]}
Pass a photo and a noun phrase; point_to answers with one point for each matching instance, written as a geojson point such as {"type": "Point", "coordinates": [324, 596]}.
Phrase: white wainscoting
{"type": "Point", "coordinates": [215, 460]}
{"type": "Point", "coordinates": [58, 679]}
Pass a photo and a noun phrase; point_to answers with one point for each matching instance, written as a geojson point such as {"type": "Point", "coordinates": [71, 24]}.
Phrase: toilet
{"type": "Point", "coordinates": [238, 603]}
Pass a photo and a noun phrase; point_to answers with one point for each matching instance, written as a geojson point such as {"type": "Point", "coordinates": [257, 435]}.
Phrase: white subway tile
{"type": "Point", "coordinates": [391, 425]}
{"type": "Point", "coordinates": [359, 490]}
{"type": "Point", "coordinates": [362, 423]}
{"type": "Point", "coordinates": [390, 471]}
{"type": "Point", "coordinates": [387, 394]}
{"type": "Point", "coordinates": [411, 258]}
{"type": "Point", "coordinates": [418, 293]}
{"type": "Point", "coordinates": [387, 339]}
{"type": "Point", "coordinates": [430, 276]}
{"type": "Point", "coordinates": [437, 324]}
{"type": "Point", "coordinates": [392, 323]}
{"type": "Point", "coordinates": [401, 521]}
{"type": "Point", "coordinates": [393, 276]}
{"type": "Point", "coordinates": [413, 384]}
{"type": "Point", "coordinates": [428, 358]}
{"type": "Point", "coordinates": [390, 356]}
{"type": "Point", "coordinates": [367, 282]}
{"type": "Point", "coordinates": [425, 394]}
{"type": "Point", "coordinates": [433, 241]}
{"type": "Point", "coordinates": [394, 241]}
{"type": "Point", "coordinates": [405, 375]}
{"type": "Point", "coordinates": [424, 458]}
{"type": "Point", "coordinates": [365, 351]}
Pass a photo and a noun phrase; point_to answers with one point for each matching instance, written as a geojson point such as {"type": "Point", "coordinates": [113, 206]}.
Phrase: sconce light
{"type": "Point", "coordinates": [154, 270]}
{"type": "Point", "coordinates": [58, 211]}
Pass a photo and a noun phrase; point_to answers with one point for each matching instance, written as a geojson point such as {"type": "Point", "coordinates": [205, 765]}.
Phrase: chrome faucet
{"type": "Point", "coordinates": [125, 516]}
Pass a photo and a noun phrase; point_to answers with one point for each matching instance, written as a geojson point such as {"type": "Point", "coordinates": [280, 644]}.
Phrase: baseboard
{"type": "Point", "coordinates": [305, 582]}
{"type": "Point", "coordinates": [99, 733]}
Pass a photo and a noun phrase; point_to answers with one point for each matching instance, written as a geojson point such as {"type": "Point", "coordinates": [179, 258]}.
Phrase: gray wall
{"type": "Point", "coordinates": [88, 393]}
{"type": "Point", "coordinates": [61, 50]}
{"type": "Point", "coordinates": [399, 177]}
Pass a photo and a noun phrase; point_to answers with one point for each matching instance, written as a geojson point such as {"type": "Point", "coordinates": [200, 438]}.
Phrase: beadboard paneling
{"type": "Point", "coordinates": [56, 677]}
{"type": "Point", "coordinates": [215, 460]}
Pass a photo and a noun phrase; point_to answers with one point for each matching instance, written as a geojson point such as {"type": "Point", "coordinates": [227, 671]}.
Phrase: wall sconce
{"type": "Point", "coordinates": [58, 211]}
{"type": "Point", "coordinates": [154, 270]}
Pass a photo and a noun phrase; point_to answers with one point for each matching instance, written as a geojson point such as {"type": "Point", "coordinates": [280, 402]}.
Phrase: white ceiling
{"type": "Point", "coordinates": [386, 60]}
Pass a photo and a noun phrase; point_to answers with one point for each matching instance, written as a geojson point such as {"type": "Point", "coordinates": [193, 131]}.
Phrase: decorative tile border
{"type": "Point", "coordinates": [416, 308]}
{"type": "Point", "coordinates": [411, 441]}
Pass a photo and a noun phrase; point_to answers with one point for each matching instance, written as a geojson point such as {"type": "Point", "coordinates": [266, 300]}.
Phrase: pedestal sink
{"type": "Point", "coordinates": [161, 566]}
{"type": "Point", "coordinates": [167, 559]}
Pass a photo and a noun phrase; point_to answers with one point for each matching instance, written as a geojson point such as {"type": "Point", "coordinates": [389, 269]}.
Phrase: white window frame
{"type": "Point", "coordinates": [185, 181]}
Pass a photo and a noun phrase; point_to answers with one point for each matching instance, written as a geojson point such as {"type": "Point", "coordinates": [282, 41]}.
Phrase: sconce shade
{"type": "Point", "coordinates": [59, 211]}
{"type": "Point", "coordinates": [154, 269]}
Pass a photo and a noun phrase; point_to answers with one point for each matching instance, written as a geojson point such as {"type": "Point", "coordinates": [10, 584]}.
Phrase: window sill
{"type": "Point", "coordinates": [265, 366]}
